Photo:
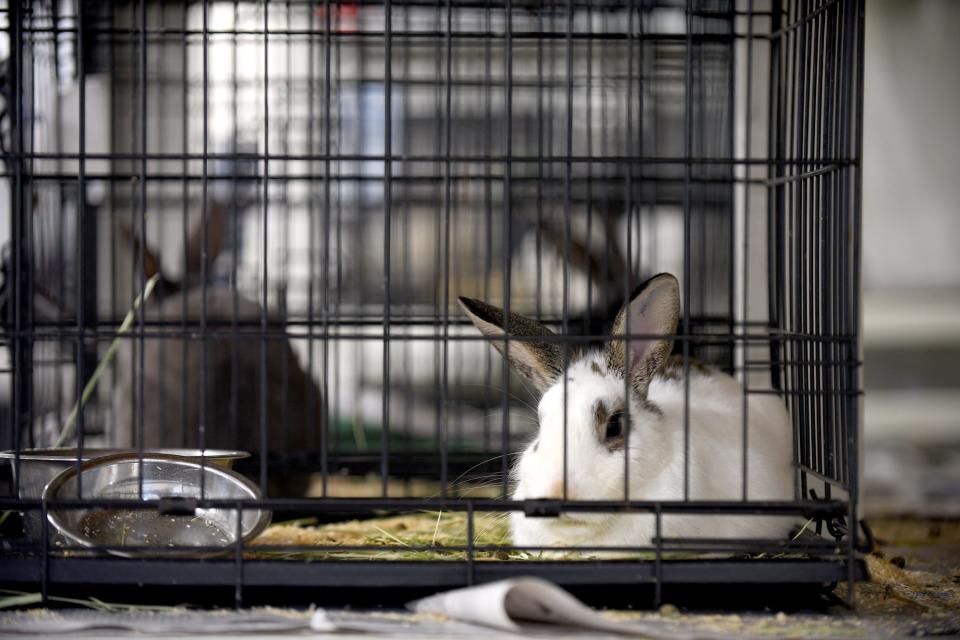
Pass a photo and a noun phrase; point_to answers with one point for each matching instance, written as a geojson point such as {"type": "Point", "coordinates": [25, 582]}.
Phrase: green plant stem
{"type": "Point", "coordinates": [68, 426]}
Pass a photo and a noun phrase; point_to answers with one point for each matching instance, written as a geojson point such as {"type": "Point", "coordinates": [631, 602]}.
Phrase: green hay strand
{"type": "Point", "coordinates": [68, 426]}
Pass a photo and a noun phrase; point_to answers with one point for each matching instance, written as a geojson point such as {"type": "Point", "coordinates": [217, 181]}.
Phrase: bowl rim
{"type": "Point", "coordinates": [61, 454]}
{"type": "Point", "coordinates": [52, 487]}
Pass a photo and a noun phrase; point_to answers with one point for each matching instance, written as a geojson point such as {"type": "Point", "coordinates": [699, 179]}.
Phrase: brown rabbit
{"type": "Point", "coordinates": [172, 371]}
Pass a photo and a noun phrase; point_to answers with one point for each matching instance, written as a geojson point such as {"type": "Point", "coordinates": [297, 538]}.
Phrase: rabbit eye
{"type": "Point", "coordinates": [615, 426]}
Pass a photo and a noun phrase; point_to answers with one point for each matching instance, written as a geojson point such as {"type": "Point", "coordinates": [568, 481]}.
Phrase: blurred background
{"type": "Point", "coordinates": [911, 261]}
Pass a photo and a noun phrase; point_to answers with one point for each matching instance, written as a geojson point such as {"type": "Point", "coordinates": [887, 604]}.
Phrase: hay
{"type": "Point", "coordinates": [927, 590]}
{"type": "Point", "coordinates": [916, 568]}
{"type": "Point", "coordinates": [428, 535]}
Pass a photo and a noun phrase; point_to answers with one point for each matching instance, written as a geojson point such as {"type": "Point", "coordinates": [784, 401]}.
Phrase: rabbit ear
{"type": "Point", "coordinates": [216, 230]}
{"type": "Point", "coordinates": [653, 310]}
{"type": "Point", "coordinates": [539, 362]}
{"type": "Point", "coordinates": [151, 264]}
{"type": "Point", "coordinates": [594, 263]}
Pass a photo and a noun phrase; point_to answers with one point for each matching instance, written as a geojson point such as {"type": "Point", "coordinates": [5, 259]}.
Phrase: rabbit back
{"type": "Point", "coordinates": [716, 446]}
{"type": "Point", "coordinates": [658, 469]}
{"type": "Point", "coordinates": [173, 391]}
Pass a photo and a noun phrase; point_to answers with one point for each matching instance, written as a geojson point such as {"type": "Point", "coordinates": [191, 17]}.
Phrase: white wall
{"type": "Point", "coordinates": [911, 216]}
{"type": "Point", "coordinates": [911, 146]}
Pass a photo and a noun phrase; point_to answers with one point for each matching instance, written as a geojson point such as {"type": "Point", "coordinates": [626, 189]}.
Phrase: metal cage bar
{"type": "Point", "coordinates": [311, 186]}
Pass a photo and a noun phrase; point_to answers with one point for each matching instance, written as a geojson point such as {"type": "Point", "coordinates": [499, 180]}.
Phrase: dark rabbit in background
{"type": "Point", "coordinates": [172, 370]}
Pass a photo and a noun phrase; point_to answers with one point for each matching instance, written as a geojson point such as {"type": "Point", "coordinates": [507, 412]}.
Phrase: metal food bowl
{"type": "Point", "coordinates": [147, 532]}
{"type": "Point", "coordinates": [39, 466]}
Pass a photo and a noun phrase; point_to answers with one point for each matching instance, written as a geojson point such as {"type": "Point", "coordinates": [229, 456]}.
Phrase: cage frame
{"type": "Point", "coordinates": [834, 562]}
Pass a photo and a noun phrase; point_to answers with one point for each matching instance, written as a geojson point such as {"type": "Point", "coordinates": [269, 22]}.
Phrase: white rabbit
{"type": "Point", "coordinates": [596, 442]}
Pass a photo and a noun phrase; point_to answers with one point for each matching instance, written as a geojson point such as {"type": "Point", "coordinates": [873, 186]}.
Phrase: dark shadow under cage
{"type": "Point", "coordinates": [246, 226]}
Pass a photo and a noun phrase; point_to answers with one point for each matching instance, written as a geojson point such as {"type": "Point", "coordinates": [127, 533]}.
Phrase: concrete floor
{"type": "Point", "coordinates": [914, 591]}
{"type": "Point", "coordinates": [655, 625]}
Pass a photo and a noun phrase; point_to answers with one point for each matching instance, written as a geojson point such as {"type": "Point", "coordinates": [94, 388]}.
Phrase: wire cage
{"type": "Point", "coordinates": [246, 226]}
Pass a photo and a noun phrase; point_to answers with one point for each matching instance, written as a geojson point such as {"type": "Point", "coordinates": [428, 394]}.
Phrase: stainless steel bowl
{"type": "Point", "coordinates": [39, 466]}
{"type": "Point", "coordinates": [163, 476]}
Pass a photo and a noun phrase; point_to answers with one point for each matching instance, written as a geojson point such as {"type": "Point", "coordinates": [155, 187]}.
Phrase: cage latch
{"type": "Point", "coordinates": [178, 506]}
{"type": "Point", "coordinates": [541, 508]}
